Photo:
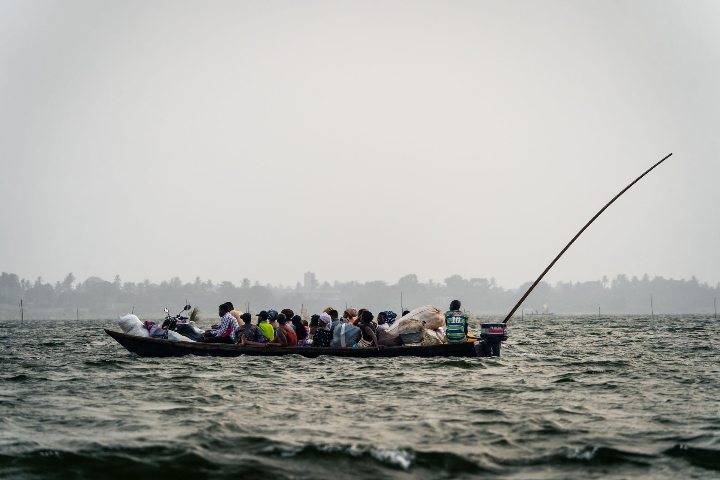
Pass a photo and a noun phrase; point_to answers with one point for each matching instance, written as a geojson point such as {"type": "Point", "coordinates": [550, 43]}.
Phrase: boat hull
{"type": "Point", "coordinates": [155, 347]}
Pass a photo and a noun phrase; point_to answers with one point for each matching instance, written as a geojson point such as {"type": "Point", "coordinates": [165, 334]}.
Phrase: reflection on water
{"type": "Point", "coordinates": [571, 397]}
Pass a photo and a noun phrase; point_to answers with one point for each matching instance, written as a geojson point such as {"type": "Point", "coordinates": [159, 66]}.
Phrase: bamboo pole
{"type": "Point", "coordinates": [547, 269]}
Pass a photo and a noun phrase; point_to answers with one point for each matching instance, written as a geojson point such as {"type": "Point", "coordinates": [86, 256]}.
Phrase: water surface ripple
{"type": "Point", "coordinates": [571, 397]}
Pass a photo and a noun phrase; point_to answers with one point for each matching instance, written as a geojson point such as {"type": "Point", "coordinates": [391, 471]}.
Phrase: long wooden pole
{"type": "Point", "coordinates": [22, 312]}
{"type": "Point", "coordinates": [715, 305]}
{"type": "Point", "coordinates": [532, 287]}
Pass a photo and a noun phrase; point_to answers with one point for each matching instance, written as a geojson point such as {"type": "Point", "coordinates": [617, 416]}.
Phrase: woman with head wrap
{"type": "Point", "coordinates": [385, 319]}
{"type": "Point", "coordinates": [323, 335]}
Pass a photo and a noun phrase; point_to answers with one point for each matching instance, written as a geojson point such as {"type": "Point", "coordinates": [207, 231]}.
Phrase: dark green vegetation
{"type": "Point", "coordinates": [97, 298]}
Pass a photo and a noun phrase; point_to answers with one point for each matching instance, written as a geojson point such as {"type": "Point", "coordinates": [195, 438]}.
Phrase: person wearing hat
{"type": "Point", "coordinates": [265, 327]}
{"type": "Point", "coordinates": [225, 332]}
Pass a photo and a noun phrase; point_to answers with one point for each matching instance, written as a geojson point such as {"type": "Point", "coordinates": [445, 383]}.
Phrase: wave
{"type": "Point", "coordinates": [248, 457]}
{"type": "Point", "coordinates": [700, 457]}
{"type": "Point", "coordinates": [586, 455]}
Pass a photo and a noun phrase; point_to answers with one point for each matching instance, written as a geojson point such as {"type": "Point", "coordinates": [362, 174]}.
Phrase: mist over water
{"type": "Point", "coordinates": [571, 397]}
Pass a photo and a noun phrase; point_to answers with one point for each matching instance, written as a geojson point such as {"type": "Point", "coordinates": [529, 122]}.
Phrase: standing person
{"type": "Point", "coordinates": [457, 323]}
{"type": "Point", "coordinates": [266, 329]}
{"type": "Point", "coordinates": [225, 332]}
{"type": "Point", "coordinates": [323, 335]}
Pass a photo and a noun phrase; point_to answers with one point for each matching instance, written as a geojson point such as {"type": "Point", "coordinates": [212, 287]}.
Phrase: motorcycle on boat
{"type": "Point", "coordinates": [181, 324]}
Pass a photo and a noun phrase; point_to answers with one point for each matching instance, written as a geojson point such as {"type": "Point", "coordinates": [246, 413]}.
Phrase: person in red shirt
{"type": "Point", "coordinates": [286, 327]}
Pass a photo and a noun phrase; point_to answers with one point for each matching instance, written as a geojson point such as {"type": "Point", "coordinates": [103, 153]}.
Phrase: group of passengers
{"type": "Point", "coordinates": [327, 329]}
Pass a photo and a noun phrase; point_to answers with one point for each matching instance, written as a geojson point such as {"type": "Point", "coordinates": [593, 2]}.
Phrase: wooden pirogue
{"type": "Point", "coordinates": [155, 347]}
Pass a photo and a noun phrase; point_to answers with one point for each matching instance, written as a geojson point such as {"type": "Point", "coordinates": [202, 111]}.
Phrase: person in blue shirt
{"type": "Point", "coordinates": [457, 323]}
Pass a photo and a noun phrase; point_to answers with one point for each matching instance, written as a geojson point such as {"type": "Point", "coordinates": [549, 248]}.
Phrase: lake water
{"type": "Point", "coordinates": [571, 397]}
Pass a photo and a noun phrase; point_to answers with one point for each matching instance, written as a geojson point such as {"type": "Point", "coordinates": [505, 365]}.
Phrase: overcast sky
{"type": "Point", "coordinates": [360, 140]}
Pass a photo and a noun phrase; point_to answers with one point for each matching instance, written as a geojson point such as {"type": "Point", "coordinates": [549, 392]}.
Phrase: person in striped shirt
{"type": "Point", "coordinates": [457, 323]}
{"type": "Point", "coordinates": [225, 332]}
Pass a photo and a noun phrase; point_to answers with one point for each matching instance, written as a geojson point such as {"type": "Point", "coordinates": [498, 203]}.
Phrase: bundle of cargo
{"type": "Point", "coordinates": [422, 326]}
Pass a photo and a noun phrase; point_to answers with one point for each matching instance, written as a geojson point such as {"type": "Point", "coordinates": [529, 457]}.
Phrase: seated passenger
{"type": "Point", "coordinates": [286, 336]}
{"type": "Point", "coordinates": [359, 315]}
{"type": "Point", "coordinates": [367, 330]}
{"type": "Point", "coordinates": [457, 323]}
{"type": "Point", "coordinates": [225, 332]}
{"type": "Point", "coordinates": [323, 336]}
{"type": "Point", "coordinates": [349, 316]}
{"type": "Point", "coordinates": [333, 318]}
{"type": "Point", "coordinates": [345, 334]}
{"type": "Point", "coordinates": [385, 319]}
{"type": "Point", "coordinates": [250, 334]}
{"type": "Point", "coordinates": [265, 328]}
{"type": "Point", "coordinates": [300, 331]}
{"type": "Point", "coordinates": [314, 323]}
{"type": "Point", "coordinates": [272, 319]}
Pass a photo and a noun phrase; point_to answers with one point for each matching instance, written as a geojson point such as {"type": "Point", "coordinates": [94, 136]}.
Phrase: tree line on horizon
{"type": "Point", "coordinates": [98, 298]}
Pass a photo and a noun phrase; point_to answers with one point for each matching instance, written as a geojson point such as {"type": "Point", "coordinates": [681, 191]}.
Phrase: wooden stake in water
{"type": "Point", "coordinates": [652, 310]}
{"type": "Point", "coordinates": [401, 305]}
{"type": "Point", "coordinates": [22, 312]}
{"type": "Point", "coordinates": [715, 304]}
{"type": "Point", "coordinates": [133, 309]}
{"type": "Point", "coordinates": [77, 314]}
{"type": "Point", "coordinates": [598, 313]}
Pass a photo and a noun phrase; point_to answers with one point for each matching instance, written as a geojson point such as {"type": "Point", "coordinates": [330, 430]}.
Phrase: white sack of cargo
{"type": "Point", "coordinates": [433, 337]}
{"type": "Point", "coordinates": [178, 337]}
{"type": "Point", "coordinates": [132, 325]}
{"type": "Point", "coordinates": [429, 316]}
{"type": "Point", "coordinates": [411, 325]}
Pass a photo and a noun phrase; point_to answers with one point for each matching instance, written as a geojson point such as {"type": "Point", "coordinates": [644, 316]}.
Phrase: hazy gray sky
{"type": "Point", "coordinates": [361, 140]}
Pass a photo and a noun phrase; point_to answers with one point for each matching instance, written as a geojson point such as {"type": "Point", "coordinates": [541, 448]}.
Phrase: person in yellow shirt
{"type": "Point", "coordinates": [265, 327]}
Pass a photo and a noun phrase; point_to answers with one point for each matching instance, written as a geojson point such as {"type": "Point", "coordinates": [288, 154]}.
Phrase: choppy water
{"type": "Point", "coordinates": [570, 398]}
